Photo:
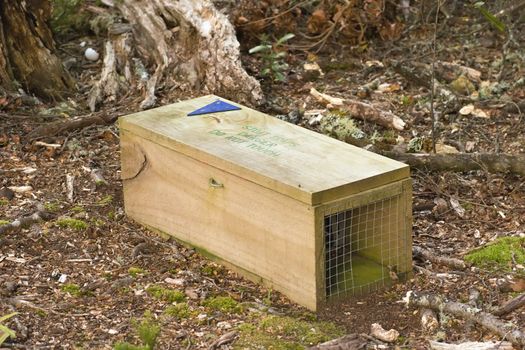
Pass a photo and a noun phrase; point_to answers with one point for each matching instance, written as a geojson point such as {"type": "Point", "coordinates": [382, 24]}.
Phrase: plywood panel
{"type": "Point", "coordinates": [261, 231]}
{"type": "Point", "coordinates": [288, 159]}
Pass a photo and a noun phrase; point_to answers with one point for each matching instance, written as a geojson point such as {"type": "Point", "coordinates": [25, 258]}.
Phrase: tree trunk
{"type": "Point", "coordinates": [27, 50]}
{"type": "Point", "coordinates": [186, 44]}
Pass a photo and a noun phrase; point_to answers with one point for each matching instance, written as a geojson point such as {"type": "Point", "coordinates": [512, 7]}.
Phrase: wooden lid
{"type": "Point", "coordinates": [292, 160]}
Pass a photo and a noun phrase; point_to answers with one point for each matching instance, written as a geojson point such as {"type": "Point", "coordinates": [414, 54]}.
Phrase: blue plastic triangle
{"type": "Point", "coordinates": [214, 107]}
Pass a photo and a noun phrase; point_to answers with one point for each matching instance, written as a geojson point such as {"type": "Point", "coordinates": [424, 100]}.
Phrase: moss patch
{"type": "Point", "coordinates": [75, 224]}
{"type": "Point", "coordinates": [147, 331]}
{"type": "Point", "coordinates": [3, 202]}
{"type": "Point", "coordinates": [282, 332]}
{"type": "Point", "coordinates": [105, 200]}
{"type": "Point", "coordinates": [222, 304]}
{"type": "Point", "coordinates": [179, 311]}
{"type": "Point", "coordinates": [72, 289]}
{"type": "Point", "coordinates": [4, 222]}
{"type": "Point", "coordinates": [166, 294]}
{"type": "Point", "coordinates": [500, 254]}
{"type": "Point", "coordinates": [52, 207]}
{"type": "Point", "coordinates": [68, 17]}
{"type": "Point", "coordinates": [135, 271]}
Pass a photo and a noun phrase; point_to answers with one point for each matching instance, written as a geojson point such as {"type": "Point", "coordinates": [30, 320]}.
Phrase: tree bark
{"type": "Point", "coordinates": [27, 50]}
{"type": "Point", "coordinates": [187, 44]}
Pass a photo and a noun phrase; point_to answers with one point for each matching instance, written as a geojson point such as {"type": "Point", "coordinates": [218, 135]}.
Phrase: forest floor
{"type": "Point", "coordinates": [86, 276]}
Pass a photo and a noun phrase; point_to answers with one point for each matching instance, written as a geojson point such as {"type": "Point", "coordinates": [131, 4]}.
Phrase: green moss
{"type": "Point", "coordinates": [41, 313]}
{"type": "Point", "coordinates": [222, 304]}
{"type": "Point", "coordinates": [135, 271]}
{"type": "Point", "coordinates": [500, 254]}
{"type": "Point", "coordinates": [68, 17]}
{"type": "Point", "coordinates": [4, 222]}
{"type": "Point", "coordinates": [147, 331]}
{"type": "Point", "coordinates": [52, 207]}
{"type": "Point", "coordinates": [166, 294]}
{"type": "Point", "coordinates": [282, 332]}
{"type": "Point", "coordinates": [98, 222]}
{"type": "Point", "coordinates": [179, 311]}
{"type": "Point", "coordinates": [207, 270]}
{"type": "Point", "coordinates": [77, 209]}
{"type": "Point", "coordinates": [105, 200]}
{"type": "Point", "coordinates": [3, 202]}
{"type": "Point", "coordinates": [76, 224]}
{"type": "Point", "coordinates": [73, 289]}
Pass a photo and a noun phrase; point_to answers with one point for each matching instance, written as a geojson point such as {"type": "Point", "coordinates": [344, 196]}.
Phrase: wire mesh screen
{"type": "Point", "coordinates": [365, 246]}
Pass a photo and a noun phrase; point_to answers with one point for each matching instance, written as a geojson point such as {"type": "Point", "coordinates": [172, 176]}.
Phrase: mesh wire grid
{"type": "Point", "coordinates": [364, 246]}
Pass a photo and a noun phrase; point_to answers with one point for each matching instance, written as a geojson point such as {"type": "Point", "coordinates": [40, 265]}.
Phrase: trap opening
{"type": "Point", "coordinates": [364, 247]}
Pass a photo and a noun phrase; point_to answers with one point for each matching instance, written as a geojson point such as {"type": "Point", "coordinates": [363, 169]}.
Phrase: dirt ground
{"type": "Point", "coordinates": [81, 284]}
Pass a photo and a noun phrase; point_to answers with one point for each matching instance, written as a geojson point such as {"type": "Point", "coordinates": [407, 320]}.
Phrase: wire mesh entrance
{"type": "Point", "coordinates": [364, 246]}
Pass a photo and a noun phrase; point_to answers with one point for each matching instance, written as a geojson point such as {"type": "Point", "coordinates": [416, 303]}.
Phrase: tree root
{"type": "Point", "coordinates": [189, 45]}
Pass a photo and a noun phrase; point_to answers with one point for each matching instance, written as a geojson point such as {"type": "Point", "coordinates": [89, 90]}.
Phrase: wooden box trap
{"type": "Point", "coordinates": [310, 216]}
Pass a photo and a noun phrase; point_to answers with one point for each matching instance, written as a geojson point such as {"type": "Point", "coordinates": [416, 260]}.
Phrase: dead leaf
{"type": "Point", "coordinates": [441, 148]}
{"type": "Point", "coordinates": [387, 87]}
{"type": "Point", "coordinates": [457, 207]}
{"type": "Point", "coordinates": [20, 189]}
{"type": "Point", "coordinates": [313, 67]}
{"type": "Point", "coordinates": [518, 285]}
{"type": "Point", "coordinates": [469, 146]}
{"type": "Point", "coordinates": [317, 22]}
{"type": "Point", "coordinates": [441, 206]}
{"type": "Point", "coordinates": [480, 113]}
{"type": "Point", "coordinates": [466, 110]}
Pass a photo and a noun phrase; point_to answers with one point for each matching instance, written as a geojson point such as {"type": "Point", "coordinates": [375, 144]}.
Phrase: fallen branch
{"type": "Point", "coordinates": [53, 129]}
{"type": "Point", "coordinates": [26, 221]}
{"type": "Point", "coordinates": [369, 113]}
{"type": "Point", "coordinates": [223, 340]}
{"type": "Point", "coordinates": [511, 305]}
{"type": "Point", "coordinates": [491, 162]}
{"type": "Point", "coordinates": [453, 263]}
{"type": "Point", "coordinates": [471, 346]}
{"type": "Point", "coordinates": [504, 329]}
{"type": "Point", "coordinates": [361, 110]}
{"type": "Point", "coordinates": [347, 342]}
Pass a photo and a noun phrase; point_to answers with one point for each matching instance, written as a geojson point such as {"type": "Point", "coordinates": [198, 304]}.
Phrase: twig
{"type": "Point", "coordinates": [70, 188]}
{"type": "Point", "coordinates": [281, 13]}
{"type": "Point", "coordinates": [511, 305]}
{"type": "Point", "coordinates": [433, 78]}
{"type": "Point", "coordinates": [17, 302]}
{"type": "Point", "coordinates": [55, 128]}
{"type": "Point", "coordinates": [25, 221]}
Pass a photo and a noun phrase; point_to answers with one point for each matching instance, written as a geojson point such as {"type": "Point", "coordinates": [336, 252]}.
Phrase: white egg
{"type": "Point", "coordinates": [91, 54]}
